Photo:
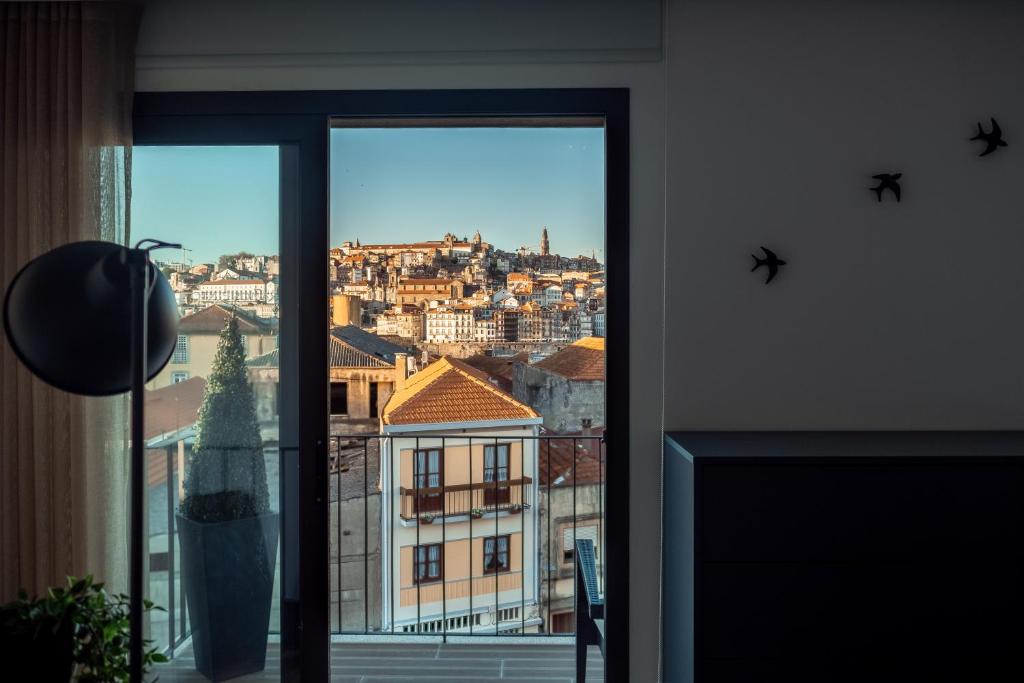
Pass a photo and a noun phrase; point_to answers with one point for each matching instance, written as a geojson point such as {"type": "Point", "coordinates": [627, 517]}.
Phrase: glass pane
{"type": "Point", "coordinates": [211, 413]}
{"type": "Point", "coordinates": [466, 272]}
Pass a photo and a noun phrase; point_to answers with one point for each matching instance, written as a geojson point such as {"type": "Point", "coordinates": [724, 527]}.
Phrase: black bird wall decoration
{"type": "Point", "coordinates": [887, 181]}
{"type": "Point", "coordinates": [770, 260]}
{"type": "Point", "coordinates": [993, 140]}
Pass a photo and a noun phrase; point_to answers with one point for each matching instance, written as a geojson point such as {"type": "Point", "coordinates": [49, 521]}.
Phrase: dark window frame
{"type": "Point", "coordinates": [299, 122]}
{"type": "Point", "coordinates": [496, 552]}
{"type": "Point", "coordinates": [343, 398]}
{"type": "Point", "coordinates": [418, 562]}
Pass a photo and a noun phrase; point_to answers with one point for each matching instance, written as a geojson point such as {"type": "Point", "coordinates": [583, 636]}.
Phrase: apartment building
{"type": "Point", "coordinates": [458, 521]}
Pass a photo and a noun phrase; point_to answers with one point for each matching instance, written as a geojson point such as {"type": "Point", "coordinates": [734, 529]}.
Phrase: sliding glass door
{"type": "Point", "coordinates": [295, 355]}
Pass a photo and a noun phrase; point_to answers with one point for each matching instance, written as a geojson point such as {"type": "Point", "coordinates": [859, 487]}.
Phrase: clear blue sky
{"type": "Point", "coordinates": [387, 185]}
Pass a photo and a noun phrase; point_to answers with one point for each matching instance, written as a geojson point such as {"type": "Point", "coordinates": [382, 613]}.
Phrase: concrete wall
{"type": "Point", "coordinates": [564, 403]}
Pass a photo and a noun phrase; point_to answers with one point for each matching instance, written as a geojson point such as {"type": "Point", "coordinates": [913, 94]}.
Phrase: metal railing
{"type": "Point", "coordinates": [521, 517]}
{"type": "Point", "coordinates": [386, 513]}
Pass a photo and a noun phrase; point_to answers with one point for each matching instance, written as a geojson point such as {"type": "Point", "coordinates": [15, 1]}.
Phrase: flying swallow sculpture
{"type": "Point", "coordinates": [993, 140]}
{"type": "Point", "coordinates": [770, 260]}
{"type": "Point", "coordinates": [887, 181]}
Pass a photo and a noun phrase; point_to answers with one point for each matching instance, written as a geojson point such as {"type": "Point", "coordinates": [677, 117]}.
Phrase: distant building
{"type": "Point", "coordinates": [405, 321]}
{"type": "Point", "coordinates": [198, 335]}
{"type": "Point", "coordinates": [478, 569]}
{"type": "Point", "coordinates": [545, 248]}
{"type": "Point", "coordinates": [364, 371]}
{"type": "Point", "coordinates": [236, 291]}
{"type": "Point", "coordinates": [419, 291]}
{"type": "Point", "coordinates": [567, 387]}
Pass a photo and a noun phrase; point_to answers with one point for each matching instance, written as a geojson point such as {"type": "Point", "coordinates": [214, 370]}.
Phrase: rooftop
{"type": "Point", "coordinates": [449, 391]}
{"type": "Point", "coordinates": [555, 465]}
{"type": "Point", "coordinates": [350, 347]}
{"type": "Point", "coordinates": [498, 368]}
{"type": "Point", "coordinates": [170, 408]}
{"type": "Point", "coordinates": [212, 319]}
{"type": "Point", "coordinates": [582, 360]}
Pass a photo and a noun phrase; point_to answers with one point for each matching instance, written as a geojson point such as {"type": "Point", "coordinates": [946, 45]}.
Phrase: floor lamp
{"type": "Point", "coordinates": [129, 310]}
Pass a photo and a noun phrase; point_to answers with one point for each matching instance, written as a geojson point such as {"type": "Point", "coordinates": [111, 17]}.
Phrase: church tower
{"type": "Point", "coordinates": [544, 247]}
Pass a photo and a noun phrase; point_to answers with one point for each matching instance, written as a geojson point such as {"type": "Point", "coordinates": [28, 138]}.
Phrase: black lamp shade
{"type": "Point", "coordinates": [67, 315]}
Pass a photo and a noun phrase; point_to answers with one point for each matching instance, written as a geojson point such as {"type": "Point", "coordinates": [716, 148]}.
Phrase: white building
{"type": "Point", "coordinates": [459, 524]}
{"type": "Point", "coordinates": [235, 291]}
{"type": "Point", "coordinates": [449, 324]}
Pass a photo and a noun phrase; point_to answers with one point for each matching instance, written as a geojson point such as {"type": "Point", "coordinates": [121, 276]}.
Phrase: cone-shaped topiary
{"type": "Point", "coordinates": [226, 475]}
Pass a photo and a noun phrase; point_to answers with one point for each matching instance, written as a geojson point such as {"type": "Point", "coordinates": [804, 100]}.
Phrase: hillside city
{"type": "Point", "coordinates": [455, 295]}
{"type": "Point", "coordinates": [466, 392]}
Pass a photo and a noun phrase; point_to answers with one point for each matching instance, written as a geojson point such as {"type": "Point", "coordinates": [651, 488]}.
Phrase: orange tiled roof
{"type": "Point", "coordinates": [452, 391]}
{"type": "Point", "coordinates": [499, 368]}
{"type": "Point", "coordinates": [582, 360]}
{"type": "Point", "coordinates": [556, 467]}
{"type": "Point", "coordinates": [173, 407]}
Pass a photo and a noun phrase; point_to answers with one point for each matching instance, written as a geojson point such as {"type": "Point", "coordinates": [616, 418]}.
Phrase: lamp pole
{"type": "Point", "coordinates": [137, 261]}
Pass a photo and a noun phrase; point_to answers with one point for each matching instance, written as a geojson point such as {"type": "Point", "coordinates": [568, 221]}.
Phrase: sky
{"type": "Point", "coordinates": [387, 185]}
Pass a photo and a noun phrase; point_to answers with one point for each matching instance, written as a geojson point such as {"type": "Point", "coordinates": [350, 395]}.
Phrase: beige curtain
{"type": "Point", "coordinates": [65, 153]}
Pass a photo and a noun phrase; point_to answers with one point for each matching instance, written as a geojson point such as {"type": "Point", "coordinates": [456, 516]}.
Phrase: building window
{"type": "Point", "coordinates": [180, 350]}
{"type": "Point", "coordinates": [339, 398]}
{"type": "Point", "coordinates": [245, 344]}
{"type": "Point", "coordinates": [495, 472]}
{"type": "Point", "coordinates": [427, 472]}
{"type": "Point", "coordinates": [496, 554]}
{"type": "Point", "coordinates": [427, 560]}
{"type": "Point", "coordinates": [178, 377]}
{"type": "Point", "coordinates": [496, 462]}
{"type": "Point", "coordinates": [569, 543]}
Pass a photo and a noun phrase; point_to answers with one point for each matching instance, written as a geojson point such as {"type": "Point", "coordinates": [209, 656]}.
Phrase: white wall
{"type": "Point", "coordinates": [270, 45]}
{"type": "Point", "coordinates": [889, 316]}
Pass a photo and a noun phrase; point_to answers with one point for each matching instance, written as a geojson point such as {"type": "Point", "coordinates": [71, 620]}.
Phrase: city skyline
{"type": "Point", "coordinates": [222, 200]}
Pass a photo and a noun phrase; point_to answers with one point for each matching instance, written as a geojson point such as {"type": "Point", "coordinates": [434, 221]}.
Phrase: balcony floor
{"type": "Point", "coordinates": [404, 662]}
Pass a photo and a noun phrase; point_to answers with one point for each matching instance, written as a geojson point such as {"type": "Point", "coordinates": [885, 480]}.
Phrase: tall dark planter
{"type": "Point", "coordinates": [228, 574]}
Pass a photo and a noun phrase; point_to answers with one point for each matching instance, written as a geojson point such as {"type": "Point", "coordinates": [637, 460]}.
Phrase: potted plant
{"type": "Point", "coordinates": [515, 509]}
{"type": "Point", "coordinates": [227, 532]}
{"type": "Point", "coordinates": [476, 513]}
{"type": "Point", "coordinates": [427, 518]}
{"type": "Point", "coordinates": [75, 632]}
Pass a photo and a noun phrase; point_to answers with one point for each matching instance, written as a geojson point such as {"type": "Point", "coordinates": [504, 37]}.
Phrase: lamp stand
{"type": "Point", "coordinates": [137, 261]}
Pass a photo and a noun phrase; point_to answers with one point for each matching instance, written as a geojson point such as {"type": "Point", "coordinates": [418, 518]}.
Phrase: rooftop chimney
{"type": "Point", "coordinates": [587, 423]}
{"type": "Point", "coordinates": [401, 370]}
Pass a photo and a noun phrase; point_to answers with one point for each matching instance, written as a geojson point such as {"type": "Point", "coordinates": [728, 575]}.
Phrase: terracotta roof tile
{"type": "Point", "coordinates": [499, 368]}
{"type": "Point", "coordinates": [582, 360]}
{"type": "Point", "coordinates": [170, 408]}
{"type": "Point", "coordinates": [555, 464]}
{"type": "Point", "coordinates": [452, 391]}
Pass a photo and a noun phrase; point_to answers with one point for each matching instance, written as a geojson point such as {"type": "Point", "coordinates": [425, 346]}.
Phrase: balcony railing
{"type": "Point", "coordinates": [552, 496]}
{"type": "Point", "coordinates": [463, 499]}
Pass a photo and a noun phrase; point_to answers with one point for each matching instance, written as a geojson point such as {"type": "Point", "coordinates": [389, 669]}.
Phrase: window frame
{"type": "Point", "coordinates": [428, 578]}
{"type": "Point", "coordinates": [180, 343]}
{"type": "Point", "coordinates": [299, 122]}
{"type": "Point", "coordinates": [496, 553]}
{"type": "Point", "coordinates": [331, 397]}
